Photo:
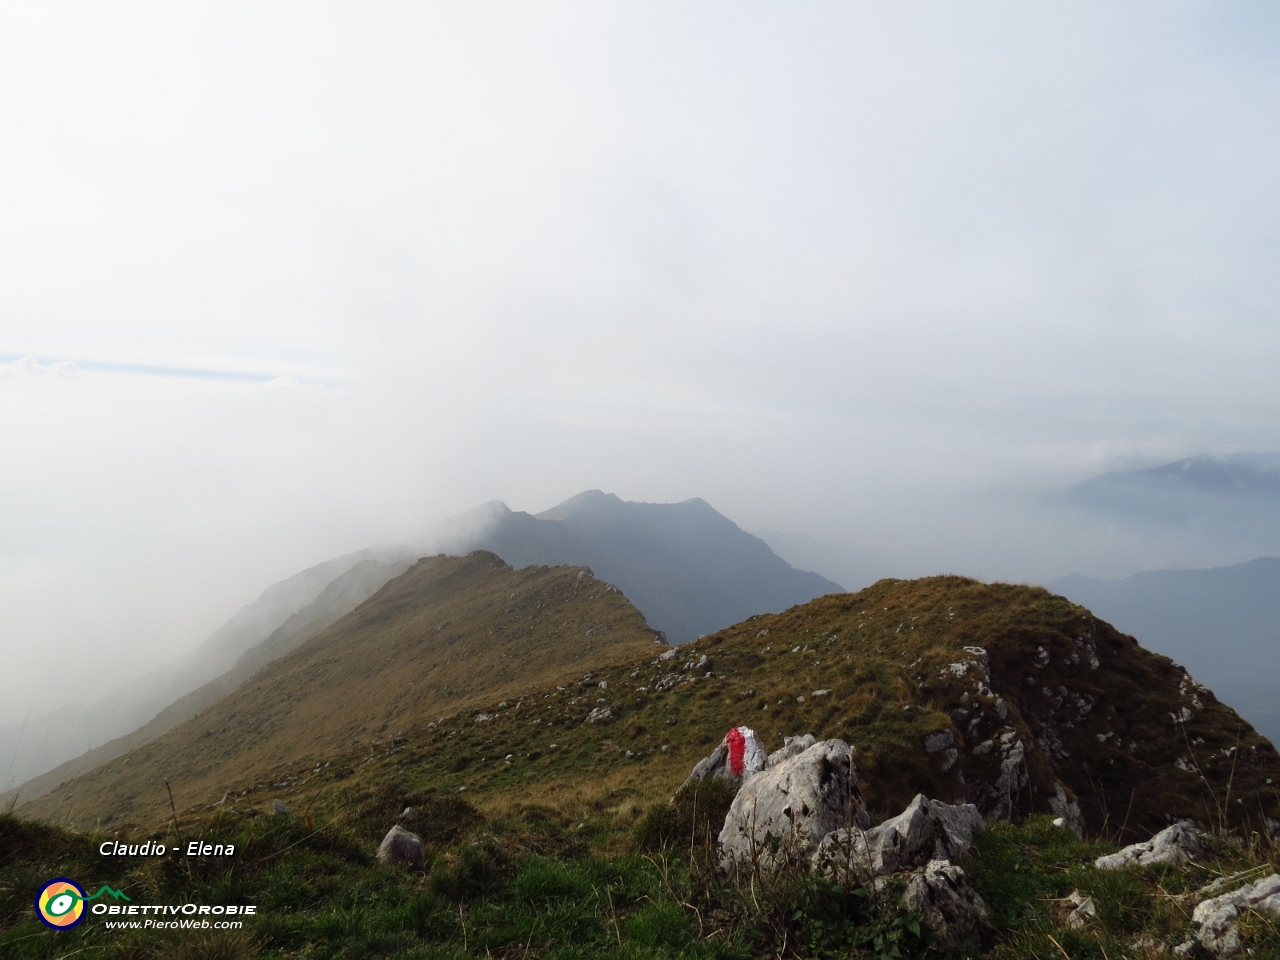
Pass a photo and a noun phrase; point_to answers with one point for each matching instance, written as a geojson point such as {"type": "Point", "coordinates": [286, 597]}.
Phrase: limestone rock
{"type": "Point", "coordinates": [1176, 845]}
{"type": "Point", "coordinates": [280, 807]}
{"type": "Point", "coordinates": [791, 747]}
{"type": "Point", "coordinates": [401, 846]}
{"type": "Point", "coordinates": [951, 909]}
{"type": "Point", "coordinates": [1083, 910]}
{"type": "Point", "coordinates": [739, 757]}
{"type": "Point", "coordinates": [1008, 797]}
{"type": "Point", "coordinates": [1067, 809]}
{"type": "Point", "coordinates": [783, 813]}
{"type": "Point", "coordinates": [927, 830]}
{"type": "Point", "coordinates": [1218, 934]}
{"type": "Point", "coordinates": [937, 742]}
{"type": "Point", "coordinates": [408, 815]}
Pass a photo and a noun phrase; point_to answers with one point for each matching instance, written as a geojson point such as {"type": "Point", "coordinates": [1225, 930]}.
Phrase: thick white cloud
{"type": "Point", "coordinates": [882, 273]}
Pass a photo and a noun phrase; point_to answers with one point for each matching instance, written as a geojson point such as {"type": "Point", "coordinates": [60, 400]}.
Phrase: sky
{"type": "Point", "coordinates": [282, 280]}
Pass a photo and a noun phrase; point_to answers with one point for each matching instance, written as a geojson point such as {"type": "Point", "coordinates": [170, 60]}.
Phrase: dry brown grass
{"type": "Point", "coordinates": [446, 638]}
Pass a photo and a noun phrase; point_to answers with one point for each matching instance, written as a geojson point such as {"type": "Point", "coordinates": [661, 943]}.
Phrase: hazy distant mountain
{"type": "Point", "coordinates": [1223, 624]}
{"type": "Point", "coordinates": [1204, 488]}
{"type": "Point", "coordinates": [689, 569]}
{"type": "Point", "coordinates": [282, 611]}
{"type": "Point", "coordinates": [849, 565]}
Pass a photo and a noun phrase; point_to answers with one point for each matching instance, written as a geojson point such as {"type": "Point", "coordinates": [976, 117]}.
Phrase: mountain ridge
{"type": "Point", "coordinates": [452, 625]}
{"type": "Point", "coordinates": [691, 569]}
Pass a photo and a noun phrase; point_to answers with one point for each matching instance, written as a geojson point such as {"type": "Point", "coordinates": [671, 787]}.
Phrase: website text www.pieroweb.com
{"type": "Point", "coordinates": [62, 904]}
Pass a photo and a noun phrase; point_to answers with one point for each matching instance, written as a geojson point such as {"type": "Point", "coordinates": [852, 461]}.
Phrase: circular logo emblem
{"type": "Point", "coordinates": [60, 903]}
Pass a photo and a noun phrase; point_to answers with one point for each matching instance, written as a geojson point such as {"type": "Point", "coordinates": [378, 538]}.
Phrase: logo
{"type": "Point", "coordinates": [60, 902]}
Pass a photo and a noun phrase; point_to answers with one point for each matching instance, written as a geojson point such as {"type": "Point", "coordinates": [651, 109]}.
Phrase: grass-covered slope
{"type": "Point", "coordinates": [1134, 739]}
{"type": "Point", "coordinates": [543, 802]}
{"type": "Point", "coordinates": [338, 598]}
{"type": "Point", "coordinates": [449, 634]}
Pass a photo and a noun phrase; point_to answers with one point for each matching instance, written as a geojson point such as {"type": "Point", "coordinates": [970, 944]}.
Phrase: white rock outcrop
{"type": "Point", "coordinates": [952, 911]}
{"type": "Point", "coordinates": [1218, 934]}
{"type": "Point", "coordinates": [927, 830]}
{"type": "Point", "coordinates": [782, 814]}
{"type": "Point", "coordinates": [1176, 845]}
{"type": "Point", "coordinates": [739, 757]}
{"type": "Point", "coordinates": [791, 747]}
{"type": "Point", "coordinates": [400, 846]}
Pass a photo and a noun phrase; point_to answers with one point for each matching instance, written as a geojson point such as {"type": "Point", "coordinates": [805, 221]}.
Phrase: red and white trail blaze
{"type": "Point", "coordinates": [745, 753]}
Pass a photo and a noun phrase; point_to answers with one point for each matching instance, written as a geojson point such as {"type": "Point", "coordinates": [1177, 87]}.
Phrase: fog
{"type": "Point", "coordinates": [281, 281]}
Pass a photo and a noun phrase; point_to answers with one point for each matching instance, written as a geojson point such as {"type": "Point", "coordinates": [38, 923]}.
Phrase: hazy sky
{"type": "Point", "coordinates": [295, 278]}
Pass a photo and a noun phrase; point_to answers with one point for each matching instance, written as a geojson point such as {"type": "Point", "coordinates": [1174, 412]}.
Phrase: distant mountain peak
{"type": "Point", "coordinates": [587, 501]}
{"type": "Point", "coordinates": [1239, 491]}
{"type": "Point", "coordinates": [690, 569]}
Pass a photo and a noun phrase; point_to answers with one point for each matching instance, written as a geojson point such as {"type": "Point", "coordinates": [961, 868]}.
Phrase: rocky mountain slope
{"type": "Point", "coordinates": [449, 633]}
{"type": "Point", "coordinates": [1008, 697]}
{"type": "Point", "coordinates": [1222, 623]}
{"type": "Point", "coordinates": [689, 568]}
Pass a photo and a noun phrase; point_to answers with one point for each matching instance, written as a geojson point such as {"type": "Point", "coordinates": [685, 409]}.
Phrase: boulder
{"type": "Point", "coordinates": [927, 830]}
{"type": "Point", "coordinates": [1218, 934]}
{"type": "Point", "coordinates": [408, 815]}
{"type": "Point", "coordinates": [952, 911]}
{"type": "Point", "coordinates": [280, 807]}
{"type": "Point", "coordinates": [1176, 845]}
{"type": "Point", "coordinates": [791, 747]}
{"type": "Point", "coordinates": [782, 814]}
{"type": "Point", "coordinates": [400, 846]}
{"type": "Point", "coordinates": [738, 757]}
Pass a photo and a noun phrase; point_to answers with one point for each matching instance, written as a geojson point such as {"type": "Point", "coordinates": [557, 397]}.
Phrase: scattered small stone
{"type": "Point", "coordinates": [1067, 809]}
{"type": "Point", "coordinates": [1084, 910]}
